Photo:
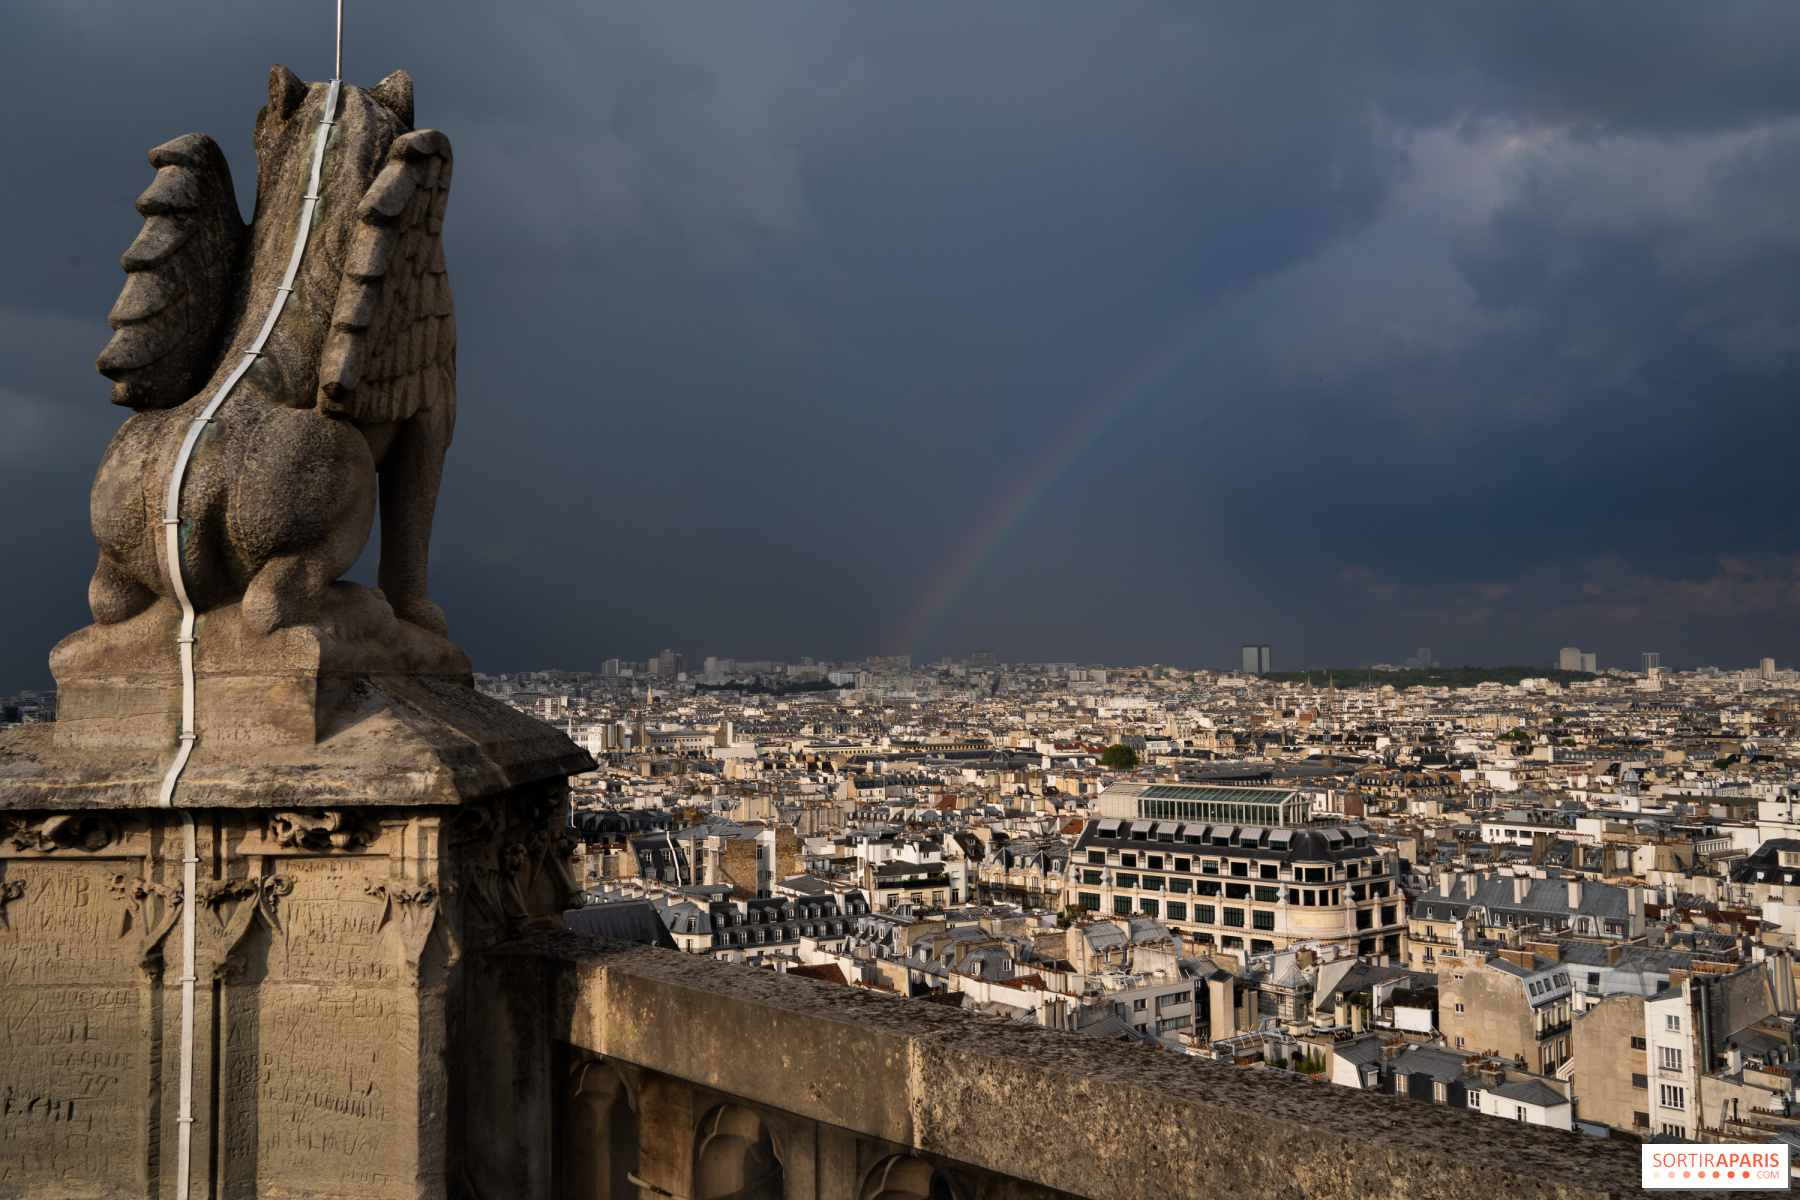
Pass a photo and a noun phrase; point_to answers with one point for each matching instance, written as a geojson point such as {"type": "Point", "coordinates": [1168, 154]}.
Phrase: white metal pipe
{"type": "Point", "coordinates": [184, 641]}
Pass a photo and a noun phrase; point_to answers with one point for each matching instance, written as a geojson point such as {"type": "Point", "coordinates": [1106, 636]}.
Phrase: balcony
{"type": "Point", "coordinates": [1552, 1030]}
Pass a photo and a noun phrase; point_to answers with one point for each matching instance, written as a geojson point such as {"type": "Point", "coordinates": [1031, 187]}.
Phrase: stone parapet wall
{"type": "Point", "coordinates": [1047, 1109]}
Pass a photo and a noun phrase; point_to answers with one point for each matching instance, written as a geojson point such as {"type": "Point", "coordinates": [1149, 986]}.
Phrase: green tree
{"type": "Point", "coordinates": [1119, 756]}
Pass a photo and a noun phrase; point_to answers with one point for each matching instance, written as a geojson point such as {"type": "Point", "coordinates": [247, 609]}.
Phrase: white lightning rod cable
{"type": "Point", "coordinates": [185, 640]}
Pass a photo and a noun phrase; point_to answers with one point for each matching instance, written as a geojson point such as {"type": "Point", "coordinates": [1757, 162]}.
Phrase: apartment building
{"type": "Point", "coordinates": [1238, 868]}
{"type": "Point", "coordinates": [1464, 906]}
{"type": "Point", "coordinates": [1513, 1003]}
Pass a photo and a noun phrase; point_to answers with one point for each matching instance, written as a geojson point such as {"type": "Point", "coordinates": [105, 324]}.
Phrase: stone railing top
{"type": "Point", "coordinates": [1091, 1117]}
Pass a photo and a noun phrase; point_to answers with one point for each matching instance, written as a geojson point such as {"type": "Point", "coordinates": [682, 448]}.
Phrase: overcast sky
{"type": "Point", "coordinates": [1114, 332]}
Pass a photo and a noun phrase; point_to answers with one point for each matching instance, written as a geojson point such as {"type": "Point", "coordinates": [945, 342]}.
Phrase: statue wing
{"type": "Point", "coordinates": [392, 347]}
{"type": "Point", "coordinates": [179, 274]}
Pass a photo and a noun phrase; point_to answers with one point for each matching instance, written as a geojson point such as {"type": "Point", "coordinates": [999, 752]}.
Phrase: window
{"type": "Point", "coordinates": [1593, 981]}
{"type": "Point", "coordinates": [1673, 1097]}
{"type": "Point", "coordinates": [1181, 886]}
{"type": "Point", "coordinates": [1350, 871]}
{"type": "Point", "coordinates": [1184, 865]}
{"type": "Point", "coordinates": [1153, 883]}
{"type": "Point", "coordinates": [1262, 919]}
{"type": "Point", "coordinates": [1241, 870]}
{"type": "Point", "coordinates": [1128, 860]}
{"type": "Point", "coordinates": [1125, 881]}
{"type": "Point", "coordinates": [1203, 913]}
{"type": "Point", "coordinates": [1137, 1005]}
{"type": "Point", "coordinates": [1640, 1120]}
{"type": "Point", "coordinates": [1089, 901]}
{"type": "Point", "coordinates": [1177, 911]}
{"type": "Point", "coordinates": [1459, 1006]}
{"type": "Point", "coordinates": [1155, 862]}
{"type": "Point", "coordinates": [1365, 917]}
{"type": "Point", "coordinates": [1267, 871]}
{"type": "Point", "coordinates": [1261, 946]}
{"type": "Point", "coordinates": [1209, 866]}
{"type": "Point", "coordinates": [1122, 906]}
{"type": "Point", "coordinates": [1673, 1130]}
{"type": "Point", "coordinates": [1097, 857]}
{"type": "Point", "coordinates": [1268, 895]}
{"type": "Point", "coordinates": [1519, 1112]}
{"type": "Point", "coordinates": [1388, 915]}
{"type": "Point", "coordinates": [1671, 1058]}
{"type": "Point", "coordinates": [1147, 907]}
{"type": "Point", "coordinates": [1093, 877]}
{"type": "Point", "coordinates": [1315, 875]}
{"type": "Point", "coordinates": [1474, 1094]}
{"type": "Point", "coordinates": [1234, 917]}
{"type": "Point", "coordinates": [1232, 943]}
{"type": "Point", "coordinates": [1637, 1043]}
{"type": "Point", "coordinates": [1207, 887]}
{"type": "Point", "coordinates": [1674, 1022]}
{"type": "Point", "coordinates": [1293, 896]}
{"type": "Point", "coordinates": [1237, 891]}
{"type": "Point", "coordinates": [1440, 1091]}
{"type": "Point", "coordinates": [1640, 1082]}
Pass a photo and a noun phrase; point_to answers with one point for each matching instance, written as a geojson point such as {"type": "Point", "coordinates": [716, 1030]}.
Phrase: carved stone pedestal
{"type": "Point", "coordinates": [344, 883]}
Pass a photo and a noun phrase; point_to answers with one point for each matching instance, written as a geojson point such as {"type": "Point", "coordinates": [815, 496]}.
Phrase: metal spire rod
{"type": "Point", "coordinates": [339, 73]}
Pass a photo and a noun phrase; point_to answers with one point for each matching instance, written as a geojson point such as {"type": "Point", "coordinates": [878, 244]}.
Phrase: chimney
{"type": "Point", "coordinates": [1574, 894]}
{"type": "Point", "coordinates": [1734, 1059]}
{"type": "Point", "coordinates": [1390, 1049]}
{"type": "Point", "coordinates": [1612, 956]}
{"type": "Point", "coordinates": [1470, 882]}
{"type": "Point", "coordinates": [1471, 1067]}
{"type": "Point", "coordinates": [1356, 1025]}
{"type": "Point", "coordinates": [1492, 1075]}
{"type": "Point", "coordinates": [1521, 885]}
{"type": "Point", "coordinates": [1634, 900]}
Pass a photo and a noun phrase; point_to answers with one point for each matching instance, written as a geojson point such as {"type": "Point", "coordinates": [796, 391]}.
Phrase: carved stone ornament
{"type": "Point", "coordinates": [87, 832]}
{"type": "Point", "coordinates": [321, 829]}
{"type": "Point", "coordinates": [10, 890]}
{"type": "Point", "coordinates": [354, 390]}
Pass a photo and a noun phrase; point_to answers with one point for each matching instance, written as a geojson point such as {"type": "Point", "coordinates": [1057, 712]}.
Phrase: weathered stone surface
{"type": "Point", "coordinates": [332, 950]}
{"type": "Point", "coordinates": [1049, 1108]}
{"type": "Point", "coordinates": [280, 494]}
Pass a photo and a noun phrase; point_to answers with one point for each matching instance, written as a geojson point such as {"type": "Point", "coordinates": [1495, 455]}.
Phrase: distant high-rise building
{"type": "Point", "coordinates": [1652, 661]}
{"type": "Point", "coordinates": [1569, 659]}
{"type": "Point", "coordinates": [1256, 660]}
{"type": "Point", "coordinates": [610, 668]}
{"type": "Point", "coordinates": [1425, 657]}
{"type": "Point", "coordinates": [1768, 668]}
{"type": "Point", "coordinates": [984, 660]}
{"type": "Point", "coordinates": [890, 662]}
{"type": "Point", "coordinates": [668, 663]}
{"type": "Point", "coordinates": [1590, 663]}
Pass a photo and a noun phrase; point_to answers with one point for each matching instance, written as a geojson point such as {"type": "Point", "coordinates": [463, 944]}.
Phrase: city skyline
{"type": "Point", "coordinates": [830, 332]}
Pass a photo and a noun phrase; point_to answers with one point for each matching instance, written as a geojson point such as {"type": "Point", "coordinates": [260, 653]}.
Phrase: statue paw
{"type": "Point", "coordinates": [114, 596]}
{"type": "Point", "coordinates": [425, 615]}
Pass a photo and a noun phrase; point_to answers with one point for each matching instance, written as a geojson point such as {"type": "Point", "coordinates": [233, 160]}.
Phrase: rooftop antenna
{"type": "Point", "coordinates": [339, 72]}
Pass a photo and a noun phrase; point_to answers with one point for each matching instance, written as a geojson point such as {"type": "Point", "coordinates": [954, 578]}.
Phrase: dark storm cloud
{"type": "Point", "coordinates": [763, 309]}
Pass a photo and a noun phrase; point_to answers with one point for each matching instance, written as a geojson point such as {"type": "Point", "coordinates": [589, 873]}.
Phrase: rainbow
{"type": "Point", "coordinates": [1164, 367]}
{"type": "Point", "coordinates": [1189, 346]}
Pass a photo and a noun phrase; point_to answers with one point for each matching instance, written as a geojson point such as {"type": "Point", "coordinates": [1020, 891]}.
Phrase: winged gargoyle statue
{"type": "Point", "coordinates": [354, 390]}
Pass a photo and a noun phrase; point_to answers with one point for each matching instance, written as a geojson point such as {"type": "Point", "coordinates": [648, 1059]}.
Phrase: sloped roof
{"type": "Point", "coordinates": [1531, 1091]}
{"type": "Point", "coordinates": [623, 921]}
